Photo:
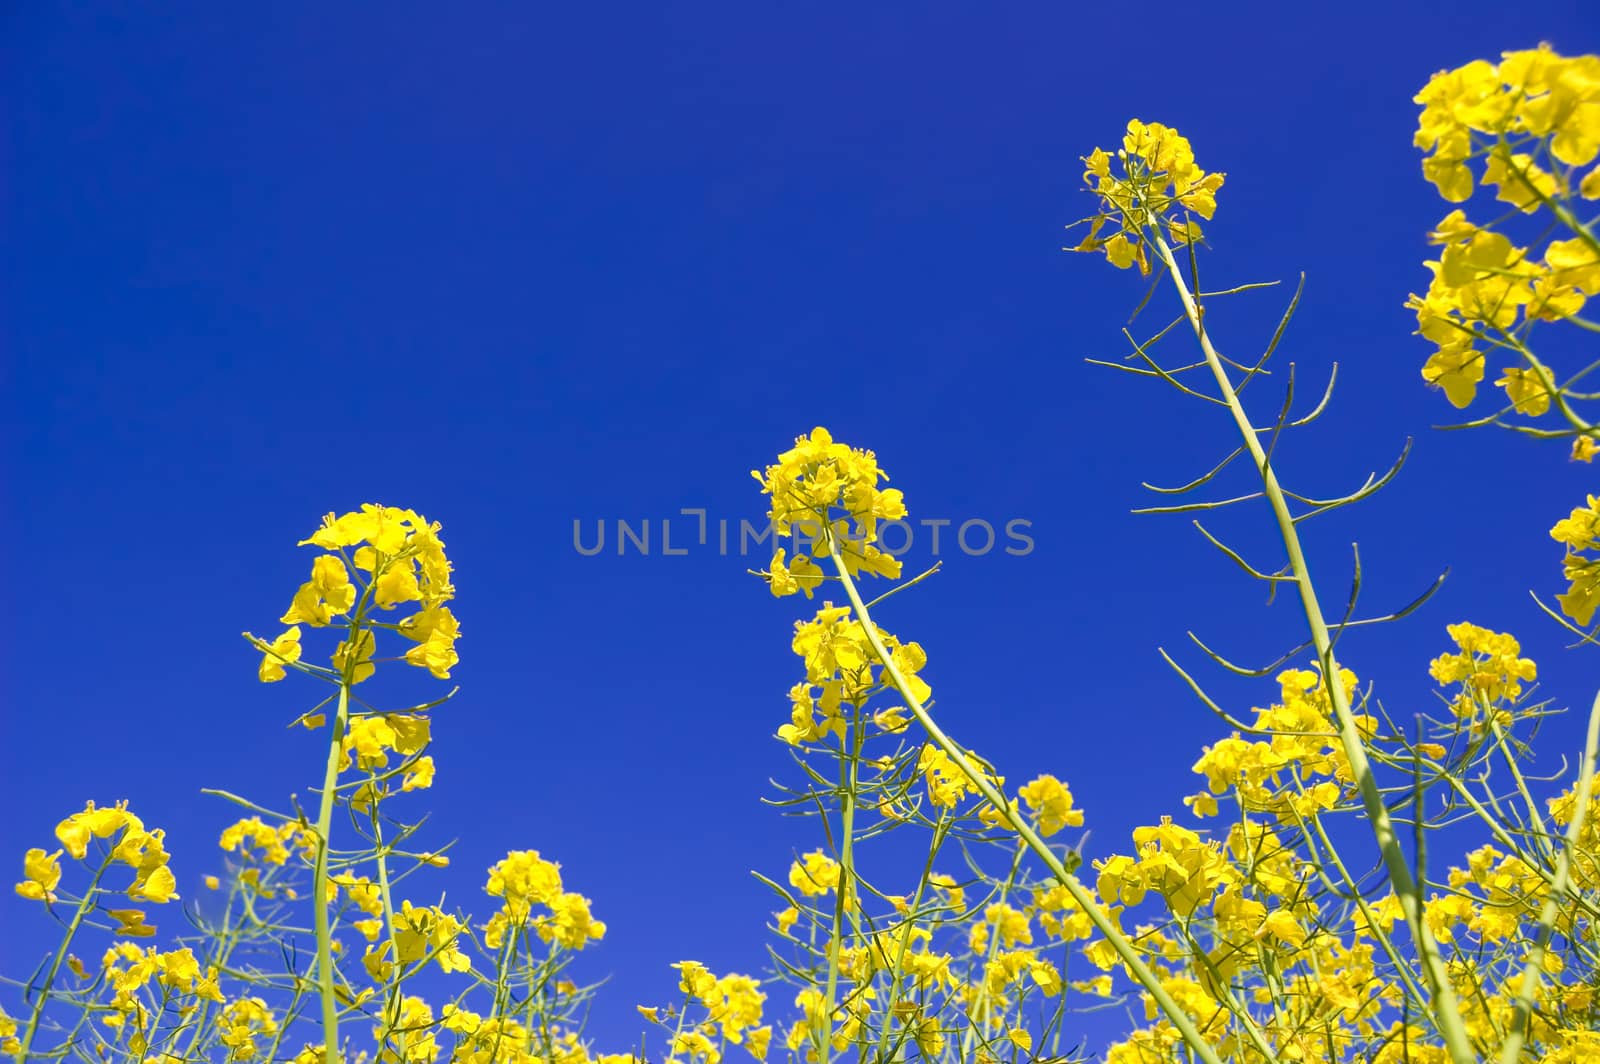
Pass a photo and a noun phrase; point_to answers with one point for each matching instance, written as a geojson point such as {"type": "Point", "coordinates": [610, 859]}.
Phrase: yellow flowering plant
{"type": "Point", "coordinates": [1296, 910]}
{"type": "Point", "coordinates": [251, 981]}
{"type": "Point", "coordinates": [1528, 128]}
{"type": "Point", "coordinates": [1279, 951]}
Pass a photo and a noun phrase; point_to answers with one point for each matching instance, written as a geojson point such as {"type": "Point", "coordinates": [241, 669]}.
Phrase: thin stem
{"type": "Point", "coordinates": [85, 907]}
{"type": "Point", "coordinates": [391, 1006]}
{"type": "Point", "coordinates": [980, 780]}
{"type": "Point", "coordinates": [844, 893]}
{"type": "Point", "coordinates": [1511, 1048]}
{"type": "Point", "coordinates": [1446, 1011]}
{"type": "Point", "coordinates": [319, 890]}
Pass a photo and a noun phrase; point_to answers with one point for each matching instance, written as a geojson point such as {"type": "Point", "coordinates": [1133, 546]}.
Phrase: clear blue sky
{"type": "Point", "coordinates": [517, 267]}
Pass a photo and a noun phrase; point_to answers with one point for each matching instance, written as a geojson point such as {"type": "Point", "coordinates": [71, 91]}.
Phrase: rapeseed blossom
{"type": "Point", "coordinates": [1156, 183]}
{"type": "Point", "coordinates": [1256, 940]}
{"type": "Point", "coordinates": [809, 482]}
{"type": "Point", "coordinates": [400, 560]}
{"type": "Point", "coordinates": [1579, 532]}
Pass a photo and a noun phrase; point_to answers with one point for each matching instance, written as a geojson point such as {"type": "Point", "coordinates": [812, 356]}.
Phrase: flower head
{"type": "Point", "coordinates": [1156, 182]}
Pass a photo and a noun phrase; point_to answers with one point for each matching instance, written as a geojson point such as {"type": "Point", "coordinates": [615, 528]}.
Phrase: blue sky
{"type": "Point", "coordinates": [517, 268]}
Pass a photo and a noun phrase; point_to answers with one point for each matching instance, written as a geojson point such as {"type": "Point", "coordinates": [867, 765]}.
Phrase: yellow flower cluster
{"type": "Point", "coordinates": [809, 482]}
{"type": "Point", "coordinates": [1049, 800]}
{"type": "Point", "coordinates": [1159, 181]}
{"type": "Point", "coordinates": [167, 1007]}
{"type": "Point", "coordinates": [1586, 863]}
{"type": "Point", "coordinates": [253, 838]}
{"type": "Point", "coordinates": [403, 560]}
{"type": "Point", "coordinates": [1579, 532]}
{"type": "Point", "coordinates": [836, 649]}
{"type": "Point", "coordinates": [244, 1020]}
{"type": "Point", "coordinates": [9, 1043]}
{"type": "Point", "coordinates": [505, 1040]}
{"type": "Point", "coordinates": [371, 738]}
{"type": "Point", "coordinates": [127, 970]}
{"type": "Point", "coordinates": [143, 851]}
{"type": "Point", "coordinates": [948, 785]}
{"type": "Point", "coordinates": [1301, 769]}
{"type": "Point", "coordinates": [421, 934]}
{"type": "Point", "coordinates": [733, 1006]}
{"type": "Point", "coordinates": [1483, 289]}
{"type": "Point", "coordinates": [1268, 945]}
{"type": "Point", "coordinates": [1530, 95]}
{"type": "Point", "coordinates": [1488, 666]}
{"type": "Point", "coordinates": [1533, 120]}
{"type": "Point", "coordinates": [875, 972]}
{"type": "Point", "coordinates": [814, 874]}
{"type": "Point", "coordinates": [523, 879]}
{"type": "Point", "coordinates": [842, 667]}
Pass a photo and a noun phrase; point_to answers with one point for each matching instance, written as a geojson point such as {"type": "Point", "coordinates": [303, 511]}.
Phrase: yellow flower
{"type": "Point", "coordinates": [1521, 182]}
{"type": "Point", "coordinates": [362, 891]}
{"type": "Point", "coordinates": [1457, 368]}
{"type": "Point", "coordinates": [353, 657]}
{"type": "Point", "coordinates": [242, 1022]}
{"type": "Point", "coordinates": [570, 923]}
{"type": "Point", "coordinates": [370, 738]}
{"type": "Point", "coordinates": [397, 584]}
{"type": "Point", "coordinates": [696, 1046]}
{"type": "Point", "coordinates": [159, 885]}
{"type": "Point", "coordinates": [41, 873]}
{"type": "Point", "coordinates": [807, 484]}
{"type": "Point", "coordinates": [1011, 925]}
{"type": "Point", "coordinates": [426, 934]}
{"type": "Point", "coordinates": [1489, 664]}
{"type": "Point", "coordinates": [1050, 800]}
{"type": "Point", "coordinates": [1574, 262]}
{"type": "Point", "coordinates": [281, 651]}
{"type": "Point", "coordinates": [1159, 182]}
{"type": "Point", "coordinates": [947, 783]}
{"type": "Point", "coordinates": [76, 830]}
{"type": "Point", "coordinates": [331, 580]}
{"type": "Point", "coordinates": [9, 1042]}
{"type": "Point", "coordinates": [1121, 880]}
{"type": "Point", "coordinates": [419, 775]}
{"type": "Point", "coordinates": [1525, 389]}
{"type": "Point", "coordinates": [327, 594]}
{"type": "Point", "coordinates": [383, 527]}
{"type": "Point", "coordinates": [796, 576]}
{"type": "Point", "coordinates": [814, 874]}
{"type": "Point", "coordinates": [522, 879]}
{"type": "Point", "coordinates": [435, 628]}
{"type": "Point", "coordinates": [736, 1005]}
{"type": "Point", "coordinates": [1580, 532]}
{"type": "Point", "coordinates": [696, 980]}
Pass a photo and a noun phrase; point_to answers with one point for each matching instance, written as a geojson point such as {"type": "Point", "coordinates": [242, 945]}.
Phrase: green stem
{"type": "Point", "coordinates": [1446, 1012]}
{"type": "Point", "coordinates": [897, 967]}
{"type": "Point", "coordinates": [848, 750]}
{"type": "Point", "coordinates": [85, 907]}
{"type": "Point", "coordinates": [319, 890]}
{"type": "Point", "coordinates": [224, 951]}
{"type": "Point", "coordinates": [1535, 819]}
{"type": "Point", "coordinates": [1511, 1048]}
{"type": "Point", "coordinates": [391, 1007]}
{"type": "Point", "coordinates": [1086, 901]}
{"type": "Point", "coordinates": [981, 1007]}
